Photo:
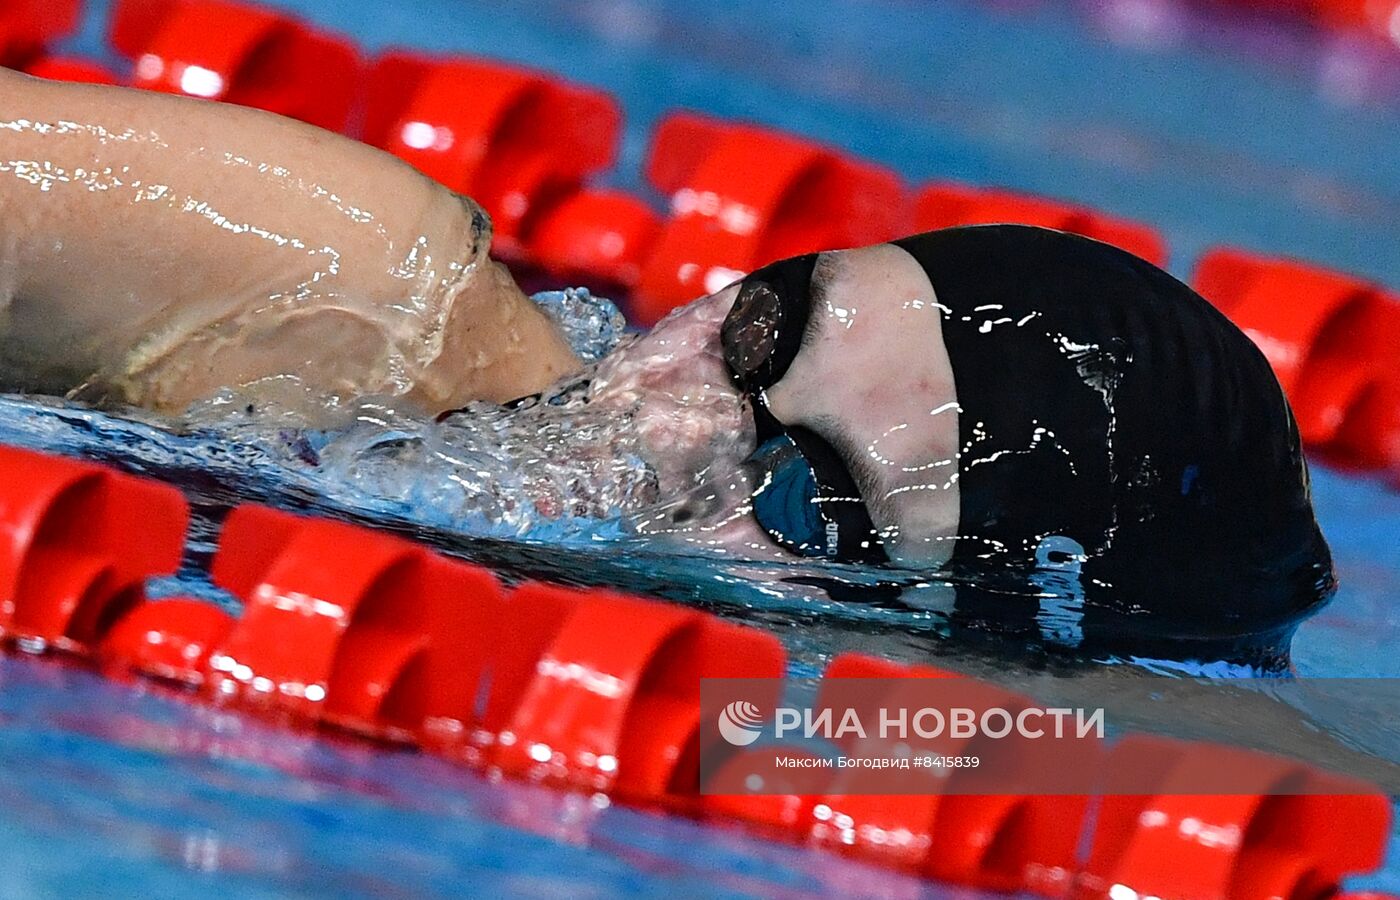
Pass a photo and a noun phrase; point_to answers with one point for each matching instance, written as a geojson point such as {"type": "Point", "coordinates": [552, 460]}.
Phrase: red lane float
{"type": "Point", "coordinates": [1268, 840]}
{"type": "Point", "coordinates": [515, 140]}
{"type": "Point", "coordinates": [1283, 306]}
{"type": "Point", "coordinates": [742, 196]}
{"type": "Point", "coordinates": [1376, 16]}
{"type": "Point", "coordinates": [1223, 273]}
{"type": "Point", "coordinates": [77, 542]}
{"type": "Point", "coordinates": [1369, 14]}
{"type": "Point", "coordinates": [28, 26]}
{"type": "Point", "coordinates": [375, 634]}
{"type": "Point", "coordinates": [1370, 435]}
{"type": "Point", "coordinates": [62, 68]}
{"type": "Point", "coordinates": [1380, 17]}
{"type": "Point", "coordinates": [171, 640]}
{"type": "Point", "coordinates": [240, 53]}
{"type": "Point", "coordinates": [946, 204]}
{"type": "Point", "coordinates": [614, 702]}
{"type": "Point", "coordinates": [778, 807]}
{"type": "Point", "coordinates": [1332, 339]}
{"type": "Point", "coordinates": [1003, 842]}
{"type": "Point", "coordinates": [1347, 399]}
{"type": "Point", "coordinates": [595, 237]}
{"type": "Point", "coordinates": [351, 627]}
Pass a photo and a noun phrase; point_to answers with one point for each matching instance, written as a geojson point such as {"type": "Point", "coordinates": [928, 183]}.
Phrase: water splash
{"type": "Point", "coordinates": [593, 326]}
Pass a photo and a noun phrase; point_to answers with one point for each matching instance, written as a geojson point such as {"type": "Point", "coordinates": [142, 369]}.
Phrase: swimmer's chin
{"type": "Point", "coordinates": [497, 346]}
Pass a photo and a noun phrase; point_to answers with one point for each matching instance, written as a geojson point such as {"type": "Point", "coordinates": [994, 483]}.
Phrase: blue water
{"type": "Point", "coordinates": [1272, 139]}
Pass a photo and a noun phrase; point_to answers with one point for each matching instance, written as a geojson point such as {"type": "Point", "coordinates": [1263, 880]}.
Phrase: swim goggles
{"type": "Point", "coordinates": [805, 498]}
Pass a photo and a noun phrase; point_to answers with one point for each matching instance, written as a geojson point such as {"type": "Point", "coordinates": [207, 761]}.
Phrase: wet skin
{"type": "Point", "coordinates": [155, 249]}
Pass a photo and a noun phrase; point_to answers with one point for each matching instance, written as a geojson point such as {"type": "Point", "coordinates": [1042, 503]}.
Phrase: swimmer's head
{"type": "Point", "coordinates": [821, 366]}
{"type": "Point", "coordinates": [996, 397]}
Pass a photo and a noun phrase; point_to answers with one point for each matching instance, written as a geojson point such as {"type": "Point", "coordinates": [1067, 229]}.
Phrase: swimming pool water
{"type": "Point", "coordinates": [1283, 143]}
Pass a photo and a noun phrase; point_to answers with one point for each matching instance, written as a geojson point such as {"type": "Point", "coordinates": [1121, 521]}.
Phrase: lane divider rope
{"type": "Point", "coordinates": [347, 628]}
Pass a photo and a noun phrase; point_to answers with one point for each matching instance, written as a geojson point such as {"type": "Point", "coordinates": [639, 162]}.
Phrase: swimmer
{"type": "Point", "coordinates": [1074, 438]}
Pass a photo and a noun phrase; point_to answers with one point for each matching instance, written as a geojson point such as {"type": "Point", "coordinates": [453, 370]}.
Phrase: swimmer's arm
{"type": "Point", "coordinates": [159, 248]}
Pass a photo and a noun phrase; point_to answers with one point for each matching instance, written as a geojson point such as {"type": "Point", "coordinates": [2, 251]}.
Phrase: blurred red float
{"type": "Point", "coordinates": [1332, 339]}
{"type": "Point", "coordinates": [1370, 433]}
{"type": "Point", "coordinates": [1277, 828]}
{"type": "Point", "coordinates": [742, 196]}
{"type": "Point", "coordinates": [517, 141]}
{"type": "Point", "coordinates": [1379, 17]}
{"type": "Point", "coordinates": [240, 53]}
{"type": "Point", "coordinates": [62, 68]}
{"type": "Point", "coordinates": [945, 204]}
{"type": "Point", "coordinates": [595, 237]}
{"type": "Point", "coordinates": [28, 26]}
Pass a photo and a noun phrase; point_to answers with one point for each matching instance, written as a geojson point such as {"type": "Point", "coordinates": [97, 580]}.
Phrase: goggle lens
{"type": "Point", "coordinates": [750, 333]}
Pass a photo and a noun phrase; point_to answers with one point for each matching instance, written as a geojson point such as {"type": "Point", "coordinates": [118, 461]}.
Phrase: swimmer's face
{"type": "Point", "coordinates": [835, 369]}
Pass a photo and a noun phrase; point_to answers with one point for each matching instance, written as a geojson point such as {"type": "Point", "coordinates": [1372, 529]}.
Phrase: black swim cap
{"type": "Point", "coordinates": [1104, 405]}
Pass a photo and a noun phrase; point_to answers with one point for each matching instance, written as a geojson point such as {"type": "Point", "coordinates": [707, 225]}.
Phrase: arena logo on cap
{"type": "Point", "coordinates": [740, 723]}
